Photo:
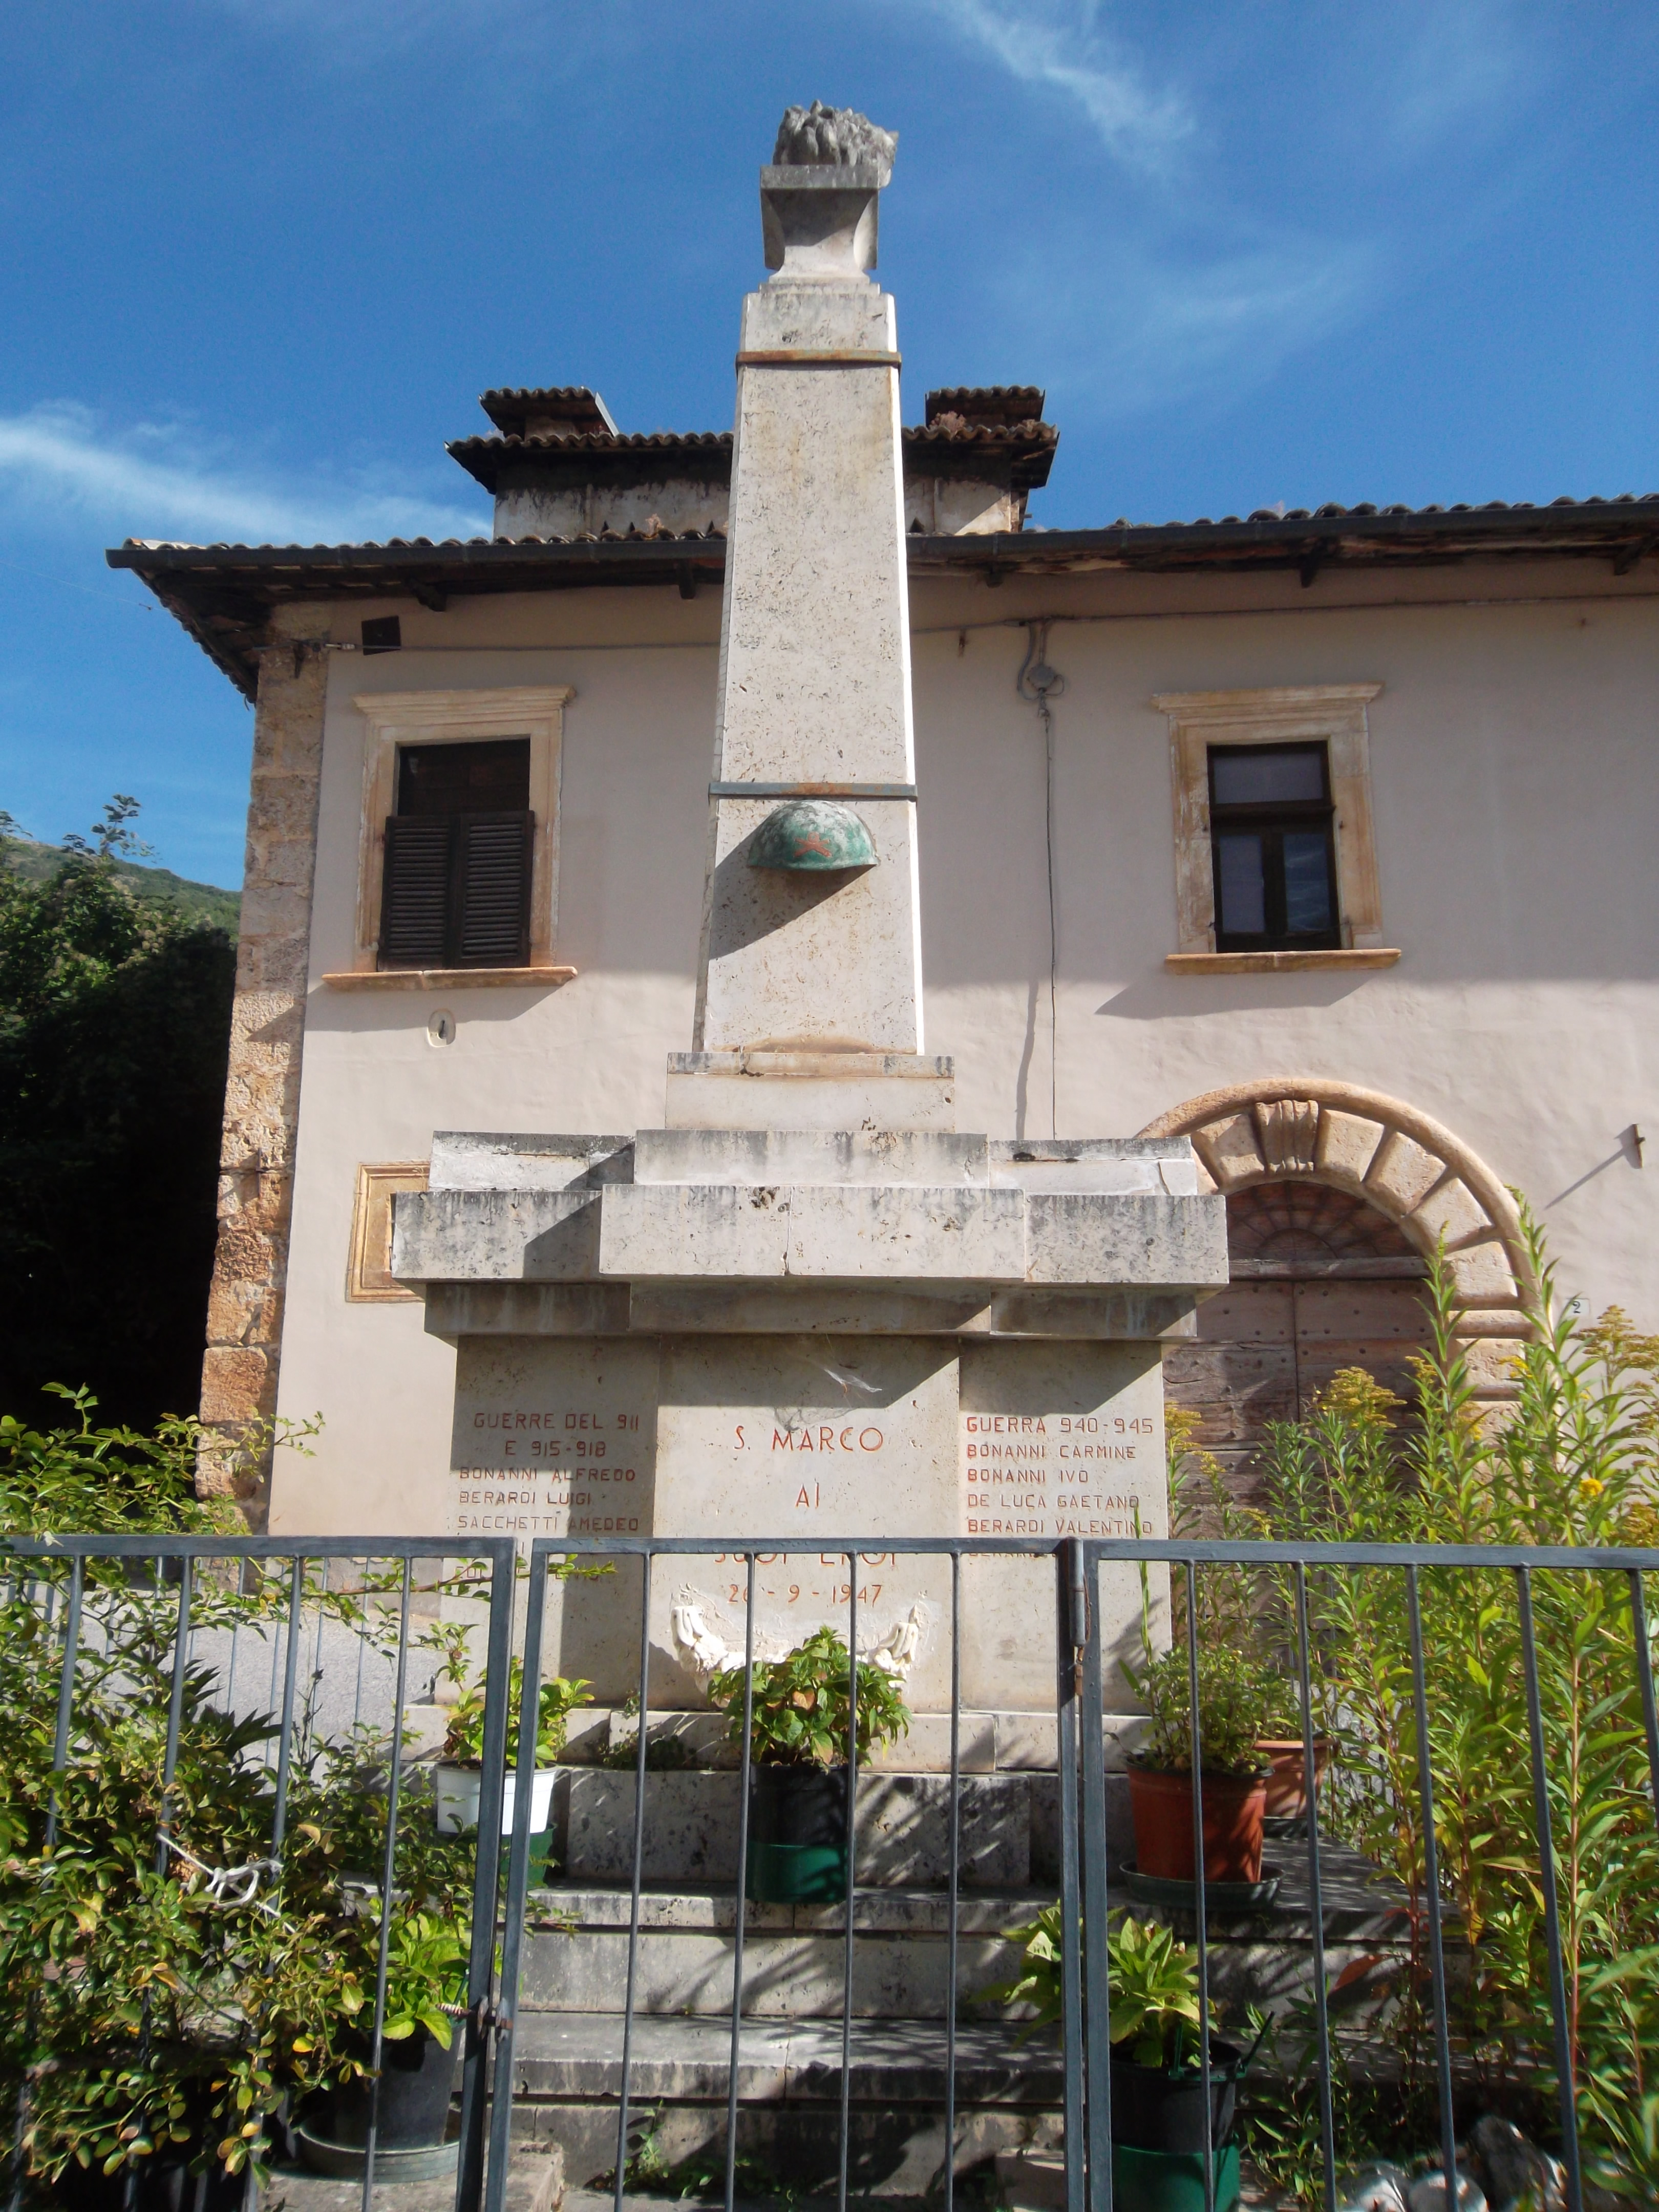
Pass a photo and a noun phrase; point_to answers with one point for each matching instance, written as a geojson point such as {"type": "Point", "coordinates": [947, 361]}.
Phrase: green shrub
{"type": "Point", "coordinates": [1572, 1461]}
{"type": "Point", "coordinates": [149, 2005]}
{"type": "Point", "coordinates": [104, 1481]}
{"type": "Point", "coordinates": [802, 1703]}
{"type": "Point", "coordinates": [114, 1033]}
{"type": "Point", "coordinates": [559, 1698]}
{"type": "Point", "coordinates": [1152, 1980]}
{"type": "Point", "coordinates": [1237, 1697]}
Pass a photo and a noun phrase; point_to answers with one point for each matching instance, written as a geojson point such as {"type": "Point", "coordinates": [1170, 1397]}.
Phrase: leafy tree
{"type": "Point", "coordinates": [114, 1032]}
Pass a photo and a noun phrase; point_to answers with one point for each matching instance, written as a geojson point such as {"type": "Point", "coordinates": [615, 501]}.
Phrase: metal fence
{"type": "Point", "coordinates": [322, 1627]}
{"type": "Point", "coordinates": [215, 1610]}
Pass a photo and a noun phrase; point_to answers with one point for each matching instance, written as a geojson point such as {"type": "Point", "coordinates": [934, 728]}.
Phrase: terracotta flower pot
{"type": "Point", "coordinates": [1287, 1794]}
{"type": "Point", "coordinates": [1161, 1806]}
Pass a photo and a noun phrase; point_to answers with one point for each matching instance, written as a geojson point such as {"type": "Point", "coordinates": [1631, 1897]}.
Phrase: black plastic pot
{"type": "Point", "coordinates": [797, 1835]}
{"type": "Point", "coordinates": [1153, 2109]}
{"type": "Point", "coordinates": [417, 2076]}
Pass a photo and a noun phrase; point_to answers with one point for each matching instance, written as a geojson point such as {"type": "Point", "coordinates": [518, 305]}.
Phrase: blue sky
{"type": "Point", "coordinates": [260, 256]}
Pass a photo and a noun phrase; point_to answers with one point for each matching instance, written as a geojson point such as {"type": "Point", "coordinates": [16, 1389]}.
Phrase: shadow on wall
{"type": "Point", "coordinates": [1160, 996]}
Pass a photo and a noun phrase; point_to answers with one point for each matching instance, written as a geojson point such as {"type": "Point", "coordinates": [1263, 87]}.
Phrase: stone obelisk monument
{"type": "Point", "coordinates": [817, 946]}
{"type": "Point", "coordinates": [807, 1309]}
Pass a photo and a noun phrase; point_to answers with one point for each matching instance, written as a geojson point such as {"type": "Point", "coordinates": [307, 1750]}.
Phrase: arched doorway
{"type": "Point", "coordinates": [1336, 1196]}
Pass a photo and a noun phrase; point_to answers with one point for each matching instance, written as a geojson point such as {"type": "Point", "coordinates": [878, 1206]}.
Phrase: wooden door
{"type": "Point", "coordinates": [1321, 1282]}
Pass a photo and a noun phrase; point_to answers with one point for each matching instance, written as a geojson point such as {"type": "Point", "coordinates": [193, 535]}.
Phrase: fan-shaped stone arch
{"type": "Point", "coordinates": [1412, 1176]}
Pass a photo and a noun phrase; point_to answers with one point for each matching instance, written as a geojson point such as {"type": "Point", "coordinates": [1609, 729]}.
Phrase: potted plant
{"type": "Point", "coordinates": [798, 1826]}
{"type": "Point", "coordinates": [1157, 2078]}
{"type": "Point", "coordinates": [460, 1773]}
{"type": "Point", "coordinates": [1157, 2070]}
{"type": "Point", "coordinates": [426, 1992]}
{"type": "Point", "coordinates": [1236, 1696]}
{"type": "Point", "coordinates": [1281, 1747]}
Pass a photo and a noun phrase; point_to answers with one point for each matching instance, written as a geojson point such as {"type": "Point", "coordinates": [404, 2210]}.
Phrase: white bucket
{"type": "Point", "coordinates": [457, 1790]}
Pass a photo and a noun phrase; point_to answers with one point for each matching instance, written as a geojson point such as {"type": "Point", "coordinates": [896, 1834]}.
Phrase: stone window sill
{"type": "Point", "coordinates": [1273, 964]}
{"type": "Point", "coordinates": [448, 979]}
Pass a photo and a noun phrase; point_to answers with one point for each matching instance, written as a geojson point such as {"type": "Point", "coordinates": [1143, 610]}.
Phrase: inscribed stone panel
{"type": "Point", "coordinates": [1057, 1440]}
{"type": "Point", "coordinates": [831, 1437]}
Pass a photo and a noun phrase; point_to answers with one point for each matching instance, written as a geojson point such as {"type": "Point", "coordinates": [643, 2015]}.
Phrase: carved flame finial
{"type": "Point", "coordinates": [833, 138]}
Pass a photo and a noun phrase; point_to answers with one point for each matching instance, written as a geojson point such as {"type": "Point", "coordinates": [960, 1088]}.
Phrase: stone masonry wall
{"type": "Point", "coordinates": [262, 1090]}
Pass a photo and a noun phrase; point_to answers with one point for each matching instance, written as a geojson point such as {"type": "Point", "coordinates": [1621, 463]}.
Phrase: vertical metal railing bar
{"type": "Point", "coordinates": [60, 1741]}
{"type": "Point", "coordinates": [1315, 1889]}
{"type": "Point", "coordinates": [1568, 2086]}
{"type": "Point", "coordinates": [1096, 1969]}
{"type": "Point", "coordinates": [639, 1864]}
{"type": "Point", "coordinates": [388, 1870]}
{"type": "Point", "coordinates": [745, 1767]}
{"type": "Point", "coordinates": [851, 1875]}
{"type": "Point", "coordinates": [60, 1759]}
{"type": "Point", "coordinates": [1638, 1613]}
{"type": "Point", "coordinates": [175, 1711]}
{"type": "Point", "coordinates": [1432, 1888]}
{"type": "Point", "coordinates": [362, 1639]}
{"type": "Point", "coordinates": [486, 1883]}
{"type": "Point", "coordinates": [954, 1879]}
{"type": "Point", "coordinates": [276, 1670]}
{"type": "Point", "coordinates": [1071, 1978]}
{"type": "Point", "coordinates": [518, 1885]}
{"type": "Point", "coordinates": [290, 1676]}
{"type": "Point", "coordinates": [315, 1690]}
{"type": "Point", "coordinates": [1199, 1907]}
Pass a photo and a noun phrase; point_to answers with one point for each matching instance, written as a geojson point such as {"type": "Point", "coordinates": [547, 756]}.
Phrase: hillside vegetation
{"type": "Point", "coordinates": [33, 863]}
{"type": "Point", "coordinates": [115, 1000]}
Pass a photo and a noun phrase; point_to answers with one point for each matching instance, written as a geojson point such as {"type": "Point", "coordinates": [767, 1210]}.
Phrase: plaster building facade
{"type": "Point", "coordinates": [1324, 839]}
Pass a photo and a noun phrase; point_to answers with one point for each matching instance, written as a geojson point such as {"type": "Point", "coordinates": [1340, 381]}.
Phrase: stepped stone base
{"type": "Point", "coordinates": [567, 2062]}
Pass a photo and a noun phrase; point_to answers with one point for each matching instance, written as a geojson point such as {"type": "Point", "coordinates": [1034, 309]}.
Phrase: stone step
{"type": "Point", "coordinates": [566, 2073]}
{"type": "Point", "coordinates": [535, 2183]}
{"type": "Point", "coordinates": [987, 1742]}
{"type": "Point", "coordinates": [794, 1956]}
{"type": "Point", "coordinates": [566, 2055]}
{"type": "Point", "coordinates": [576, 1952]}
{"type": "Point", "coordinates": [1006, 1827]}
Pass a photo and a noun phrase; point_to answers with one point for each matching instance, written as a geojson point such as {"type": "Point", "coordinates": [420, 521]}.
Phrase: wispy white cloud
{"type": "Point", "coordinates": [1466, 68]}
{"type": "Point", "coordinates": [61, 461]}
{"type": "Point", "coordinates": [1058, 48]}
{"type": "Point", "coordinates": [1228, 325]}
{"type": "Point", "coordinates": [1135, 331]}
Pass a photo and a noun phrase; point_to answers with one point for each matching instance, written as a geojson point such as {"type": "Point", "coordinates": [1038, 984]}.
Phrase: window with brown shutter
{"type": "Point", "coordinates": [459, 857]}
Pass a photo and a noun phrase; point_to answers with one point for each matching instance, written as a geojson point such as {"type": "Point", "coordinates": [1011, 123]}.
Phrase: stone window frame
{"type": "Point", "coordinates": [393, 718]}
{"type": "Point", "coordinates": [369, 1271]}
{"type": "Point", "coordinates": [1285, 714]}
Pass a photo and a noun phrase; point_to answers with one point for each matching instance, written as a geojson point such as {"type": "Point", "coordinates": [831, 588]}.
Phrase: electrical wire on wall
{"type": "Point", "coordinates": [1037, 683]}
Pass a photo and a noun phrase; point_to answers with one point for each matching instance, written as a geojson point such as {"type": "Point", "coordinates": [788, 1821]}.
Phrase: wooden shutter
{"type": "Point", "coordinates": [490, 909]}
{"type": "Point", "coordinates": [415, 899]}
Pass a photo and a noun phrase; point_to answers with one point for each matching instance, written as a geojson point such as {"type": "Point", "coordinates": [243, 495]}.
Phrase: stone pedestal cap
{"type": "Point", "coordinates": [818, 194]}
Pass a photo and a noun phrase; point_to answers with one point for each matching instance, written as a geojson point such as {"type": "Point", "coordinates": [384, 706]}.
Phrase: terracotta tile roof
{"type": "Point", "coordinates": [511, 407]}
{"type": "Point", "coordinates": [224, 595]}
{"type": "Point", "coordinates": [987, 406]}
